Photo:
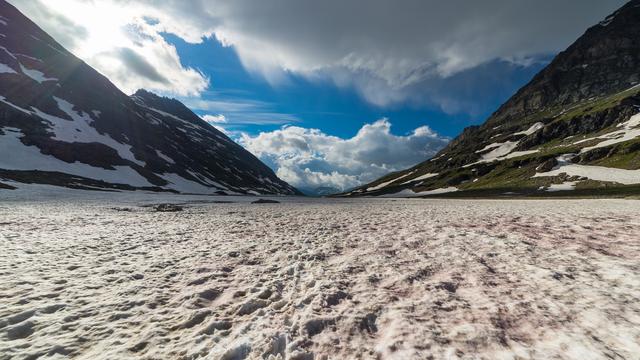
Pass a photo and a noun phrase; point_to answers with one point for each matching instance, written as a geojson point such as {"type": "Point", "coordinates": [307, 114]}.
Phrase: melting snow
{"type": "Point", "coordinates": [36, 75]}
{"type": "Point", "coordinates": [380, 186]}
{"type": "Point", "coordinates": [8, 52]}
{"type": "Point", "coordinates": [4, 100]}
{"type": "Point", "coordinates": [410, 193]}
{"type": "Point", "coordinates": [164, 157]}
{"type": "Point", "coordinates": [387, 279]}
{"type": "Point", "coordinates": [80, 130]}
{"type": "Point", "coordinates": [501, 149]}
{"type": "Point", "coordinates": [30, 158]}
{"type": "Point", "coordinates": [630, 131]}
{"type": "Point", "coordinates": [5, 69]}
{"type": "Point", "coordinates": [599, 173]}
{"type": "Point", "coordinates": [535, 127]}
{"type": "Point", "coordinates": [178, 183]}
{"type": "Point", "coordinates": [421, 177]}
{"type": "Point", "coordinates": [567, 185]}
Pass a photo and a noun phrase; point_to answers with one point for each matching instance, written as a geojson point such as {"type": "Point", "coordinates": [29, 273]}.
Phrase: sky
{"type": "Point", "coordinates": [328, 93]}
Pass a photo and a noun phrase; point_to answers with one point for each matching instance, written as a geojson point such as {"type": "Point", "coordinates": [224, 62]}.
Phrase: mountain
{"type": "Point", "coordinates": [62, 123]}
{"type": "Point", "coordinates": [574, 129]}
{"type": "Point", "coordinates": [320, 191]}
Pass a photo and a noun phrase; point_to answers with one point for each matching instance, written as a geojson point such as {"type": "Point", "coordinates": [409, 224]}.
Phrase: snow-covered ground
{"type": "Point", "coordinates": [96, 275]}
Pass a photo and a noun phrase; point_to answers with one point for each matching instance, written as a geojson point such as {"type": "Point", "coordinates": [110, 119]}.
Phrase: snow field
{"type": "Point", "coordinates": [103, 277]}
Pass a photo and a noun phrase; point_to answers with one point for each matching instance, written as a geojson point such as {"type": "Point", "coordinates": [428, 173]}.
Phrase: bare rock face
{"type": "Point", "coordinates": [604, 60]}
{"type": "Point", "coordinates": [547, 165]}
{"type": "Point", "coordinates": [67, 125]}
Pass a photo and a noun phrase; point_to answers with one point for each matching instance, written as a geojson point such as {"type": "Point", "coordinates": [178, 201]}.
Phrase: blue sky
{"type": "Point", "coordinates": [321, 104]}
{"type": "Point", "coordinates": [327, 93]}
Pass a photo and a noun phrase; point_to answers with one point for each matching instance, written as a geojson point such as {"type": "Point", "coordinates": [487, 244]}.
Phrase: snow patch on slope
{"type": "Point", "coordinates": [36, 75]}
{"type": "Point", "coordinates": [178, 183]}
{"type": "Point", "coordinates": [410, 193]}
{"type": "Point", "coordinates": [164, 157]}
{"type": "Point", "coordinates": [535, 127]}
{"type": "Point", "coordinates": [6, 69]}
{"type": "Point", "coordinates": [30, 158]}
{"type": "Point", "coordinates": [500, 150]}
{"type": "Point", "coordinates": [421, 177]}
{"type": "Point", "coordinates": [380, 186]}
{"type": "Point", "coordinates": [565, 186]}
{"type": "Point", "coordinates": [599, 173]}
{"type": "Point", "coordinates": [630, 131]}
{"type": "Point", "coordinates": [80, 130]}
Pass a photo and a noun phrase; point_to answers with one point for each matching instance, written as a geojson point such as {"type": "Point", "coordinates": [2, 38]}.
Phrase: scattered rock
{"type": "Point", "coordinates": [316, 326]}
{"type": "Point", "coordinates": [449, 286]}
{"type": "Point", "coordinates": [419, 275]}
{"type": "Point", "coordinates": [559, 276]}
{"type": "Point", "coordinates": [210, 294]}
{"type": "Point", "coordinates": [335, 298]}
{"type": "Point", "coordinates": [168, 208]}
{"type": "Point", "coordinates": [265, 201]}
{"type": "Point", "coordinates": [265, 294]}
{"type": "Point", "coordinates": [368, 323]}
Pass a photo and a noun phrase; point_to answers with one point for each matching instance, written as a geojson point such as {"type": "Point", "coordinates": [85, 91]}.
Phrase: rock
{"type": "Point", "coordinates": [449, 286]}
{"type": "Point", "coordinates": [547, 165]}
{"type": "Point", "coordinates": [368, 323]}
{"type": "Point", "coordinates": [265, 201]}
{"type": "Point", "coordinates": [5, 186]}
{"type": "Point", "coordinates": [168, 208]}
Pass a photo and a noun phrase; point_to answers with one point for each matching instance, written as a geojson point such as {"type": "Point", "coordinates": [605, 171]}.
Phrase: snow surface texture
{"type": "Point", "coordinates": [100, 277]}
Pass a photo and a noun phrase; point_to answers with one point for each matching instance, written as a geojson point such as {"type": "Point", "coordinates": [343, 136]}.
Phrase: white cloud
{"type": "Point", "coordinates": [121, 40]}
{"type": "Point", "coordinates": [309, 158]}
{"type": "Point", "coordinates": [389, 51]}
{"type": "Point", "coordinates": [240, 112]}
{"type": "Point", "coordinates": [214, 119]}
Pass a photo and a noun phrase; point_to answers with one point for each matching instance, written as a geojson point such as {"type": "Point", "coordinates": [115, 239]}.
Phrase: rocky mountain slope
{"type": "Point", "coordinates": [573, 130]}
{"type": "Point", "coordinates": [63, 123]}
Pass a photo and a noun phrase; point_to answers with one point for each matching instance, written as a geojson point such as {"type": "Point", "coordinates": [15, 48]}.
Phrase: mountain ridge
{"type": "Point", "coordinates": [582, 103]}
{"type": "Point", "coordinates": [68, 125]}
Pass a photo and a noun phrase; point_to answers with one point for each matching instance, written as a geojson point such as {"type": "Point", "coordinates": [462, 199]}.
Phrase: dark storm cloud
{"type": "Point", "coordinates": [386, 49]}
{"type": "Point", "coordinates": [383, 47]}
